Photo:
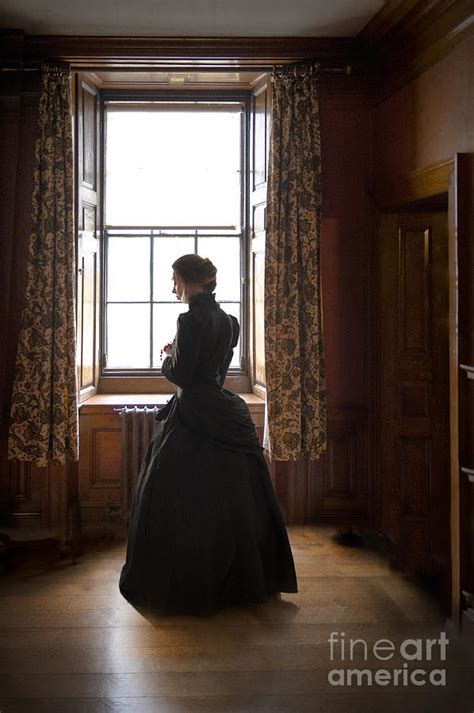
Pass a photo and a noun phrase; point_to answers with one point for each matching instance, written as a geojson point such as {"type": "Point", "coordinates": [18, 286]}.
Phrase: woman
{"type": "Point", "coordinates": [205, 528]}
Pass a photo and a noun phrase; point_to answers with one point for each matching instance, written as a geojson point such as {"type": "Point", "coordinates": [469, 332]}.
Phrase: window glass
{"type": "Point", "coordinates": [128, 336]}
{"type": "Point", "coordinates": [173, 186]}
{"type": "Point", "coordinates": [165, 251]}
{"type": "Point", "coordinates": [128, 269]}
{"type": "Point", "coordinates": [224, 252]}
{"type": "Point", "coordinates": [165, 317]}
{"type": "Point", "coordinates": [172, 168]}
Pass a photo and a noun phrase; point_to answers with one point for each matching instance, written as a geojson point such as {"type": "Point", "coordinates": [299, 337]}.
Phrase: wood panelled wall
{"type": "Point", "coordinates": [36, 497]}
{"type": "Point", "coordinates": [363, 147]}
{"type": "Point", "coordinates": [19, 95]}
{"type": "Point", "coordinates": [428, 120]}
{"type": "Point", "coordinates": [417, 132]}
{"type": "Point", "coordinates": [342, 481]}
{"type": "Point", "coordinates": [338, 486]}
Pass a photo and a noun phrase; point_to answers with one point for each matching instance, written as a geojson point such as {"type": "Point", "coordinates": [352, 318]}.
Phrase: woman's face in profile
{"type": "Point", "coordinates": [177, 286]}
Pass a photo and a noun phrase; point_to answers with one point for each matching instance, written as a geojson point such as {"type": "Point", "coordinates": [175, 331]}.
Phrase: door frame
{"type": "Point", "coordinates": [454, 178]}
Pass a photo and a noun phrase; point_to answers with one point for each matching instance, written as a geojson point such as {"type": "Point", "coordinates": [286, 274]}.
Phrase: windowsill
{"type": "Point", "coordinates": [158, 385]}
{"type": "Point", "coordinates": [104, 404]}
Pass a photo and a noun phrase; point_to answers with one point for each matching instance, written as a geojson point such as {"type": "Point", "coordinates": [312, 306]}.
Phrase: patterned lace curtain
{"type": "Point", "coordinates": [294, 359]}
{"type": "Point", "coordinates": [44, 416]}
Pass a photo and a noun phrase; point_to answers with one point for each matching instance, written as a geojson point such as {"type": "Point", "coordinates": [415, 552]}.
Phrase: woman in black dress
{"type": "Point", "coordinates": [205, 527]}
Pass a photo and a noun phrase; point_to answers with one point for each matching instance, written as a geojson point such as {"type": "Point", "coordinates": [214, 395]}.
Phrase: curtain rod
{"type": "Point", "coordinates": [345, 69]}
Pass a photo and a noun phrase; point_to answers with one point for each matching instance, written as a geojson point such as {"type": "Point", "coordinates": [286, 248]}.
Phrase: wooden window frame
{"type": "Point", "coordinates": [146, 380]}
{"type": "Point", "coordinates": [250, 378]}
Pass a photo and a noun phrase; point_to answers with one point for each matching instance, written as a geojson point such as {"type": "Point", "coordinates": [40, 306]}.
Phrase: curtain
{"type": "Point", "coordinates": [294, 358]}
{"type": "Point", "coordinates": [44, 411]}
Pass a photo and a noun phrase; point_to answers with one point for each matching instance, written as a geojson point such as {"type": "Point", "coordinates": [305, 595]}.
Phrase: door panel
{"type": "Point", "coordinates": [415, 391]}
{"type": "Point", "coordinates": [259, 131]}
{"type": "Point", "coordinates": [462, 351]}
{"type": "Point", "coordinates": [88, 234]}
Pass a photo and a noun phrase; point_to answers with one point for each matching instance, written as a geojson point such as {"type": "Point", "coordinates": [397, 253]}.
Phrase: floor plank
{"type": "Point", "coordinates": [70, 643]}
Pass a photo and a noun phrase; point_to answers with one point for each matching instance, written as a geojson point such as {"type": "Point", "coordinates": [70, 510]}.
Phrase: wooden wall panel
{"type": "Point", "coordinates": [100, 466]}
{"type": "Point", "coordinates": [426, 121]}
{"type": "Point", "coordinates": [345, 236]}
{"type": "Point", "coordinates": [26, 483]}
{"type": "Point", "coordinates": [340, 488]}
{"type": "Point", "coordinates": [415, 298]}
{"type": "Point", "coordinates": [341, 484]}
{"type": "Point", "coordinates": [100, 471]}
{"type": "Point", "coordinates": [341, 466]}
{"type": "Point", "coordinates": [405, 39]}
{"type": "Point", "coordinates": [44, 503]}
{"type": "Point", "coordinates": [19, 98]}
{"type": "Point", "coordinates": [105, 458]}
{"type": "Point", "coordinates": [415, 477]}
{"type": "Point", "coordinates": [100, 457]}
{"type": "Point", "coordinates": [414, 399]}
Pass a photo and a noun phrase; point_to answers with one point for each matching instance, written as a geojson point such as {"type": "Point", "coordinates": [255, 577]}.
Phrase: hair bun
{"type": "Point", "coordinates": [197, 270]}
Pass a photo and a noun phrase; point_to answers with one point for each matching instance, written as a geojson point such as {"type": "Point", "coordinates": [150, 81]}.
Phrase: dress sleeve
{"type": "Point", "coordinates": [180, 366]}
{"type": "Point", "coordinates": [235, 337]}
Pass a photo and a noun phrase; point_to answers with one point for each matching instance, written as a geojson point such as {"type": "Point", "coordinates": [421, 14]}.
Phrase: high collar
{"type": "Point", "coordinates": [204, 299]}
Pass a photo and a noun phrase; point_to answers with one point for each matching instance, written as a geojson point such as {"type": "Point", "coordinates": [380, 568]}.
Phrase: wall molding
{"type": "Point", "coordinates": [109, 50]}
{"type": "Point", "coordinates": [419, 184]}
{"type": "Point", "coordinates": [404, 39]}
{"type": "Point", "coordinates": [399, 43]}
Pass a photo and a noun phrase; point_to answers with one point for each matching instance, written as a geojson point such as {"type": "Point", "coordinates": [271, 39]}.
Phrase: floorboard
{"type": "Point", "coordinates": [70, 643]}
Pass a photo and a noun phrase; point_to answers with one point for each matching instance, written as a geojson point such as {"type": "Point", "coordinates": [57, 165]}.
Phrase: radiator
{"type": "Point", "coordinates": [137, 428]}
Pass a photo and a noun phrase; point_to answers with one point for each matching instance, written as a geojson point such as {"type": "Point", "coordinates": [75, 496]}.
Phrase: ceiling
{"type": "Point", "coordinates": [190, 18]}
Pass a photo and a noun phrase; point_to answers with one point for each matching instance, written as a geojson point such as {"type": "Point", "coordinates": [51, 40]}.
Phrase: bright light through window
{"type": "Point", "coordinates": [173, 168]}
{"type": "Point", "coordinates": [173, 185]}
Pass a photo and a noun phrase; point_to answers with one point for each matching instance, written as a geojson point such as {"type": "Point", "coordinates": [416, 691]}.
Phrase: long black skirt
{"type": "Point", "coordinates": [205, 528]}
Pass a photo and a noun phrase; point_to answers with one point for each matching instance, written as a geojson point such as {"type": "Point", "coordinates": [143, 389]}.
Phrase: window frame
{"type": "Point", "coordinates": [115, 380]}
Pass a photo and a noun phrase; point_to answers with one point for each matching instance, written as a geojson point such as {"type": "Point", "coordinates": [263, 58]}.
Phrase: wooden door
{"type": "Point", "coordinates": [462, 378]}
{"type": "Point", "coordinates": [414, 329]}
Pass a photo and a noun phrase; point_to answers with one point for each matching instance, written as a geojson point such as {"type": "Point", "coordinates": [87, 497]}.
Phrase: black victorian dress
{"type": "Point", "coordinates": [205, 527]}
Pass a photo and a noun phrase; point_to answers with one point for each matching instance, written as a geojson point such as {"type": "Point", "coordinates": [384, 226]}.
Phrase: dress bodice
{"type": "Point", "coordinates": [203, 346]}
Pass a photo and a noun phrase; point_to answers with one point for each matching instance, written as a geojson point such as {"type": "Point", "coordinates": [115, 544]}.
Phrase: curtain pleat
{"type": "Point", "coordinates": [44, 411]}
{"type": "Point", "coordinates": [294, 355]}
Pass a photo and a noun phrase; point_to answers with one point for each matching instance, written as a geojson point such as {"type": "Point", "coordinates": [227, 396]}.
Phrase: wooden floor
{"type": "Point", "coordinates": [69, 642]}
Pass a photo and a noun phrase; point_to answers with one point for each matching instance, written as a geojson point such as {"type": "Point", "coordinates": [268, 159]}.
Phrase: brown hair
{"type": "Point", "coordinates": [196, 270]}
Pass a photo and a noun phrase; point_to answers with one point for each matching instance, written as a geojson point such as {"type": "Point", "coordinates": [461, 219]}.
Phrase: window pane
{"type": "Point", "coordinates": [225, 254]}
{"type": "Point", "coordinates": [173, 168]}
{"type": "Point", "coordinates": [128, 336]}
{"type": "Point", "coordinates": [235, 310]}
{"type": "Point", "coordinates": [128, 269]}
{"type": "Point", "coordinates": [166, 251]}
{"type": "Point", "coordinates": [164, 327]}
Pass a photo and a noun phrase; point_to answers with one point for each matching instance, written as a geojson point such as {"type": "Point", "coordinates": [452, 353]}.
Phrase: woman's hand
{"type": "Point", "coordinates": [167, 349]}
